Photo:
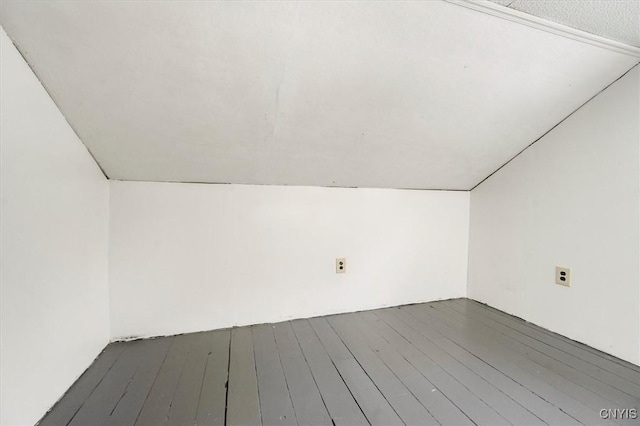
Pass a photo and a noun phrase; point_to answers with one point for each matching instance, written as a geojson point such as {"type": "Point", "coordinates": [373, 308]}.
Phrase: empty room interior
{"type": "Point", "coordinates": [320, 213]}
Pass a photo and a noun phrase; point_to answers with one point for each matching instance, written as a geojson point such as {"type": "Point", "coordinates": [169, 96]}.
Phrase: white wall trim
{"type": "Point", "coordinates": [502, 12]}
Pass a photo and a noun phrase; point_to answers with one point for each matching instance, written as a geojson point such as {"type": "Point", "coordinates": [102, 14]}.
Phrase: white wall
{"type": "Point", "coordinates": [54, 236]}
{"type": "Point", "coordinates": [572, 199]}
{"type": "Point", "coordinates": [187, 257]}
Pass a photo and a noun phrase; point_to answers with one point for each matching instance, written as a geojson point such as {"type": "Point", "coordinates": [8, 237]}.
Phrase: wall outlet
{"type": "Point", "coordinates": [563, 276]}
{"type": "Point", "coordinates": [341, 265]}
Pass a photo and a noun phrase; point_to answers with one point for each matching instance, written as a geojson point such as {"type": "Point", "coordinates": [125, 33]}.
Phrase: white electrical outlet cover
{"type": "Point", "coordinates": [563, 276]}
{"type": "Point", "coordinates": [341, 265]}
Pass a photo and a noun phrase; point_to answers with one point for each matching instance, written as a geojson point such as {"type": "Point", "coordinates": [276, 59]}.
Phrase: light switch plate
{"type": "Point", "coordinates": [341, 265]}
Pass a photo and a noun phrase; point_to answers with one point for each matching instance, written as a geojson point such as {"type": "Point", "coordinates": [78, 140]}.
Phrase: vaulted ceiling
{"type": "Point", "coordinates": [426, 95]}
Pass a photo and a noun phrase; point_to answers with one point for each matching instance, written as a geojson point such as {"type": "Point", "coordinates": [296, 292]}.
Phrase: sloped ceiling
{"type": "Point", "coordinates": [426, 95]}
{"type": "Point", "coordinates": [613, 19]}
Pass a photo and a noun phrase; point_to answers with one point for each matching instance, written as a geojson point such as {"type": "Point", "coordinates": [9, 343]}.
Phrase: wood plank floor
{"type": "Point", "coordinates": [454, 362]}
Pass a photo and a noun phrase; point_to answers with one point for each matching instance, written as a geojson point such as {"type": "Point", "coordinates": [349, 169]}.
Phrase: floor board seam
{"type": "Point", "coordinates": [154, 380]}
{"type": "Point", "coordinates": [98, 384]}
{"type": "Point", "coordinates": [497, 389]}
{"type": "Point", "coordinates": [433, 384]}
{"type": "Point", "coordinates": [286, 383]}
{"type": "Point", "coordinates": [255, 369]}
{"type": "Point", "coordinates": [579, 372]}
{"type": "Point", "coordinates": [339, 374]}
{"type": "Point", "coordinates": [579, 345]}
{"type": "Point", "coordinates": [558, 349]}
{"type": "Point", "coordinates": [226, 397]}
{"type": "Point", "coordinates": [311, 373]}
{"type": "Point", "coordinates": [551, 385]}
{"type": "Point", "coordinates": [365, 371]}
{"type": "Point", "coordinates": [376, 353]}
{"type": "Point", "coordinates": [124, 392]}
{"type": "Point", "coordinates": [493, 368]}
{"type": "Point", "coordinates": [446, 372]}
{"type": "Point", "coordinates": [504, 373]}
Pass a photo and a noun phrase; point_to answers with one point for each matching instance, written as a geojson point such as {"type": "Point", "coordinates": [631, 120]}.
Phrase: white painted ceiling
{"type": "Point", "coordinates": [613, 19]}
{"type": "Point", "coordinates": [429, 95]}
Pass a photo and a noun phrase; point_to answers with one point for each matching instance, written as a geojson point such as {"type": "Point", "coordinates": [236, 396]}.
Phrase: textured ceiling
{"type": "Point", "coordinates": [613, 19]}
{"type": "Point", "coordinates": [429, 95]}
